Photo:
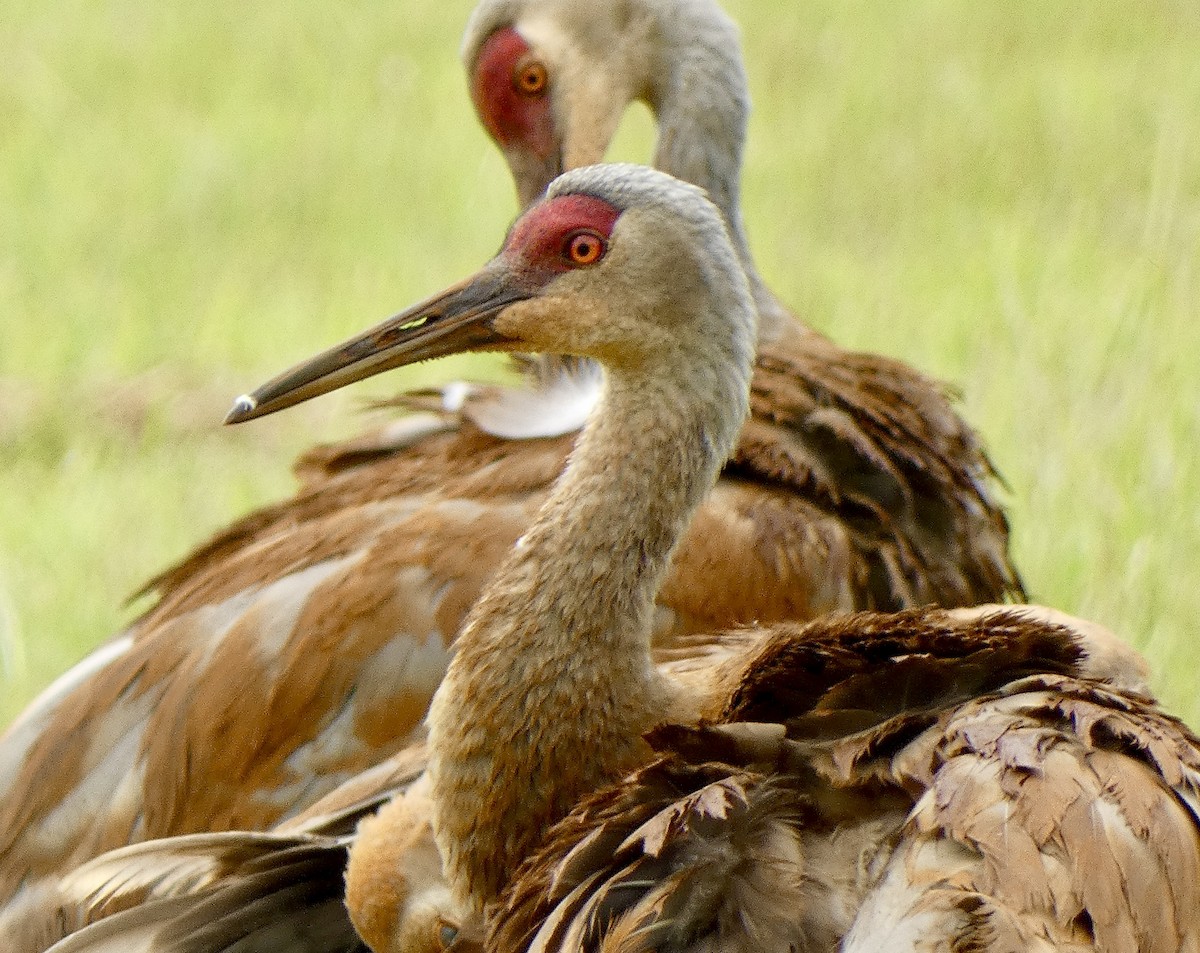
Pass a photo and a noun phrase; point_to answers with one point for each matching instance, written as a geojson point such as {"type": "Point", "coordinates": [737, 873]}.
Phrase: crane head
{"type": "Point", "coordinates": [619, 263]}
{"type": "Point", "coordinates": [550, 80]}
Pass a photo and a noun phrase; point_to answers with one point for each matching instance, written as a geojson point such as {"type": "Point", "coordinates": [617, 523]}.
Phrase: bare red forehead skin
{"type": "Point", "coordinates": [538, 240]}
{"type": "Point", "coordinates": [512, 119]}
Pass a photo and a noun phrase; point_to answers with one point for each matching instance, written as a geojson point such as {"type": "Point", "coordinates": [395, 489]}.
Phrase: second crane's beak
{"type": "Point", "coordinates": [457, 320]}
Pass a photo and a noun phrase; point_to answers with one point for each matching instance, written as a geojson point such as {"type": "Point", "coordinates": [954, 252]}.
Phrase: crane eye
{"type": "Point", "coordinates": [530, 77]}
{"type": "Point", "coordinates": [585, 248]}
{"type": "Point", "coordinates": [447, 934]}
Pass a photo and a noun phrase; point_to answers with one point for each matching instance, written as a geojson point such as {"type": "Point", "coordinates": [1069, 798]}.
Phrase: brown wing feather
{"type": "Point", "coordinates": [202, 893]}
{"type": "Point", "coordinates": [944, 781]}
{"type": "Point", "coordinates": [952, 782]}
{"type": "Point", "coordinates": [291, 900]}
{"type": "Point", "coordinates": [1054, 810]}
{"type": "Point", "coordinates": [880, 449]}
{"type": "Point", "coordinates": [677, 851]}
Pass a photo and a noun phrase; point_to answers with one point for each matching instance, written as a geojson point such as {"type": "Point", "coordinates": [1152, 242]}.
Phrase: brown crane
{"type": "Point", "coordinates": [854, 485]}
{"type": "Point", "coordinates": [927, 780]}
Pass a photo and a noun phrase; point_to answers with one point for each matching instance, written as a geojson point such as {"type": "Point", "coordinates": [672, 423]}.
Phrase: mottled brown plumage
{"type": "Point", "coordinates": [852, 785]}
{"type": "Point", "coordinates": [912, 782]}
{"type": "Point", "coordinates": [277, 890]}
{"type": "Point", "coordinates": [346, 597]}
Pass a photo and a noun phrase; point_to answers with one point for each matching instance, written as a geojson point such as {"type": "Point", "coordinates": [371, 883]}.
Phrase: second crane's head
{"type": "Point", "coordinates": [619, 263]}
{"type": "Point", "coordinates": [551, 79]}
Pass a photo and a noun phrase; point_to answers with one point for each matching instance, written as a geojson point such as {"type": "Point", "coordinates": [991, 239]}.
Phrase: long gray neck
{"type": "Point", "coordinates": [552, 684]}
{"type": "Point", "coordinates": [702, 102]}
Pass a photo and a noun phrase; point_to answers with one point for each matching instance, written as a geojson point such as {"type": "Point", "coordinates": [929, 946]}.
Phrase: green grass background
{"type": "Point", "coordinates": [194, 195]}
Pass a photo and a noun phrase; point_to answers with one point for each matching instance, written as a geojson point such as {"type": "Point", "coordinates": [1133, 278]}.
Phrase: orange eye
{"type": "Point", "coordinates": [585, 248]}
{"type": "Point", "coordinates": [530, 77]}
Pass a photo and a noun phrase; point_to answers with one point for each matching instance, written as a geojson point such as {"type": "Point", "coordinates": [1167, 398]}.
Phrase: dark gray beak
{"type": "Point", "coordinates": [455, 321]}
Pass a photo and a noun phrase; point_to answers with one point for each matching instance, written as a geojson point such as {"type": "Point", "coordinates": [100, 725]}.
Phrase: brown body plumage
{"type": "Point", "coordinates": [855, 485]}
{"type": "Point", "coordinates": [277, 890]}
{"type": "Point", "coordinates": [904, 783]}
{"type": "Point", "coordinates": [922, 775]}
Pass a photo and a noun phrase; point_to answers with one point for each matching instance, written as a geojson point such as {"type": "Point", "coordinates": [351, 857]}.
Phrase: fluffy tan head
{"type": "Point", "coordinates": [395, 890]}
{"type": "Point", "coordinates": [667, 292]}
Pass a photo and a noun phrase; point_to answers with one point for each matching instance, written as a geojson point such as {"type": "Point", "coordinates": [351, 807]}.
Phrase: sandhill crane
{"type": "Point", "coordinates": [927, 780]}
{"type": "Point", "coordinates": [854, 485]}
{"type": "Point", "coordinates": [1030, 803]}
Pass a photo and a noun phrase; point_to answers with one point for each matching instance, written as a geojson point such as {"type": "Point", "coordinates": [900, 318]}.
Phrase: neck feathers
{"type": "Point", "coordinates": [702, 102]}
{"type": "Point", "coordinates": [552, 684]}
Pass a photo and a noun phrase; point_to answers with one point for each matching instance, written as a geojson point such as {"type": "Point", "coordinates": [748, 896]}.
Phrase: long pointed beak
{"type": "Point", "coordinates": [457, 320]}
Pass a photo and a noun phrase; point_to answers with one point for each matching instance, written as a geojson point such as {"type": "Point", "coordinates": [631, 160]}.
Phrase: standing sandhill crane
{"type": "Point", "coordinates": [902, 782]}
{"type": "Point", "coordinates": [929, 780]}
{"type": "Point", "coordinates": [854, 486]}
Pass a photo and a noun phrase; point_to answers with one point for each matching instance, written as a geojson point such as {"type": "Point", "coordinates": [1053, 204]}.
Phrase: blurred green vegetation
{"type": "Point", "coordinates": [192, 196]}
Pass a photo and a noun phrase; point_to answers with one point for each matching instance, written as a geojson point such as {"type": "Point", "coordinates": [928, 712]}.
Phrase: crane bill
{"type": "Point", "coordinates": [453, 322]}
